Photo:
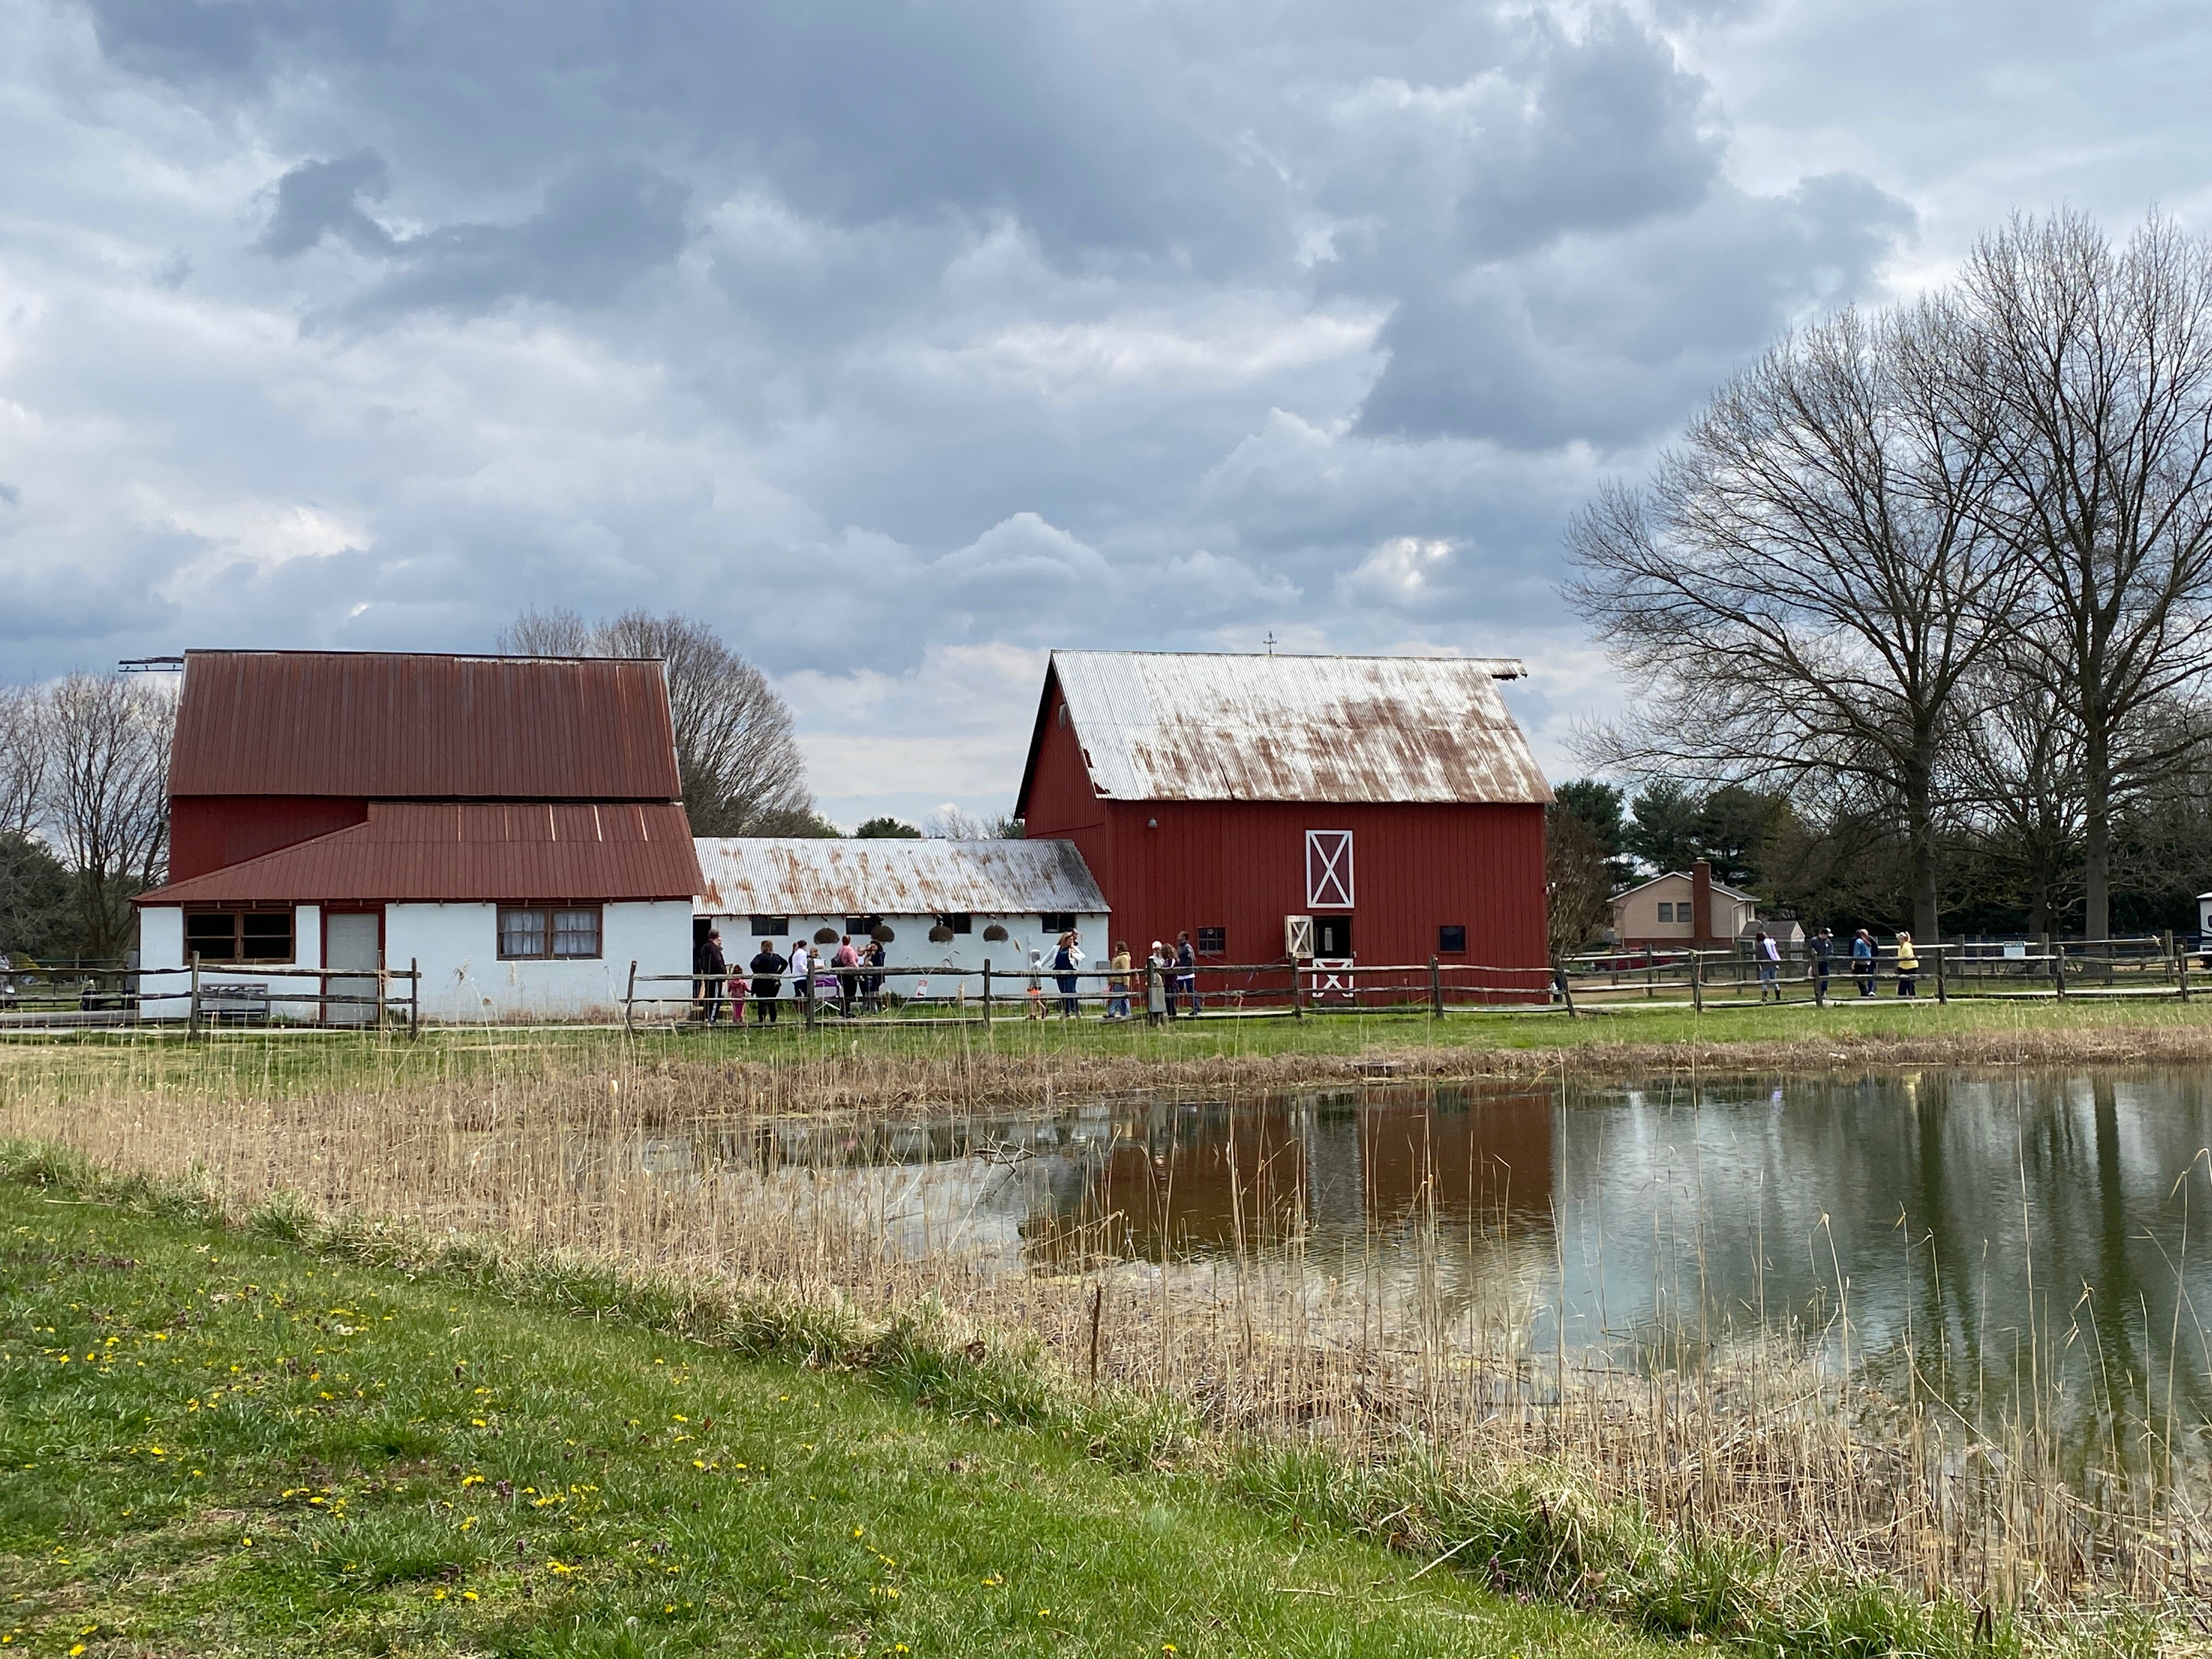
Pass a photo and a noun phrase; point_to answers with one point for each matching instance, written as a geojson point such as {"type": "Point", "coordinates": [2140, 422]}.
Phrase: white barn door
{"type": "Point", "coordinates": [352, 939]}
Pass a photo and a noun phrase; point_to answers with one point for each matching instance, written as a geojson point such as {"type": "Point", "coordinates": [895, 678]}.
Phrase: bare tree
{"type": "Point", "coordinates": [1578, 883]}
{"type": "Point", "coordinates": [105, 799]}
{"type": "Point", "coordinates": [953, 823]}
{"type": "Point", "coordinates": [23, 757]}
{"type": "Point", "coordinates": [742, 771]}
{"type": "Point", "coordinates": [1807, 585]}
{"type": "Point", "coordinates": [2092, 386]}
{"type": "Point", "coordinates": [2021, 769]}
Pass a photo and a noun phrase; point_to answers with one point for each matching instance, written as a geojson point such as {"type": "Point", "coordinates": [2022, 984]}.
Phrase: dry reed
{"type": "Point", "coordinates": [716, 1173]}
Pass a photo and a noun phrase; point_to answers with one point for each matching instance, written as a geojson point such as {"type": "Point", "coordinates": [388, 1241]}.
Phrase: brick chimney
{"type": "Point", "coordinates": [1701, 900]}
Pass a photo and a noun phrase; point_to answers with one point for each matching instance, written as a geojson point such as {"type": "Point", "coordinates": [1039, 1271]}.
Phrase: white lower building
{"type": "Point", "coordinates": [507, 913]}
{"type": "Point", "coordinates": [942, 909]}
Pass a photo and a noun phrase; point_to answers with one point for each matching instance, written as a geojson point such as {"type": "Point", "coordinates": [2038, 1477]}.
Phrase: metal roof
{"type": "Point", "coordinates": [1177, 725]}
{"type": "Point", "coordinates": [790, 875]}
{"type": "Point", "coordinates": [406, 725]}
{"type": "Point", "coordinates": [467, 852]}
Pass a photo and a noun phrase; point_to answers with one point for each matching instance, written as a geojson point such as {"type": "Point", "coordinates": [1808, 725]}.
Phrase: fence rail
{"type": "Point", "coordinates": [214, 994]}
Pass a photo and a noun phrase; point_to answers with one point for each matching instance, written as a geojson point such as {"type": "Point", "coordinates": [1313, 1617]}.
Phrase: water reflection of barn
{"type": "Point", "coordinates": [1192, 1179]}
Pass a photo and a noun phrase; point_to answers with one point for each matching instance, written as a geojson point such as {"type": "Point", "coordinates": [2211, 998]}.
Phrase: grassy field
{"type": "Point", "coordinates": [1086, 1053]}
{"type": "Point", "coordinates": [216, 1444]}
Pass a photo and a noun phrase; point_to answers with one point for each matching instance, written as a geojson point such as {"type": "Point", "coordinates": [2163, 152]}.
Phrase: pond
{"type": "Point", "coordinates": [2022, 1247]}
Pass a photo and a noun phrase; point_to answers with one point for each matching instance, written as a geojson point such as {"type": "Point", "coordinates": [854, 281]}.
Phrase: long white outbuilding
{"type": "Point", "coordinates": [947, 907]}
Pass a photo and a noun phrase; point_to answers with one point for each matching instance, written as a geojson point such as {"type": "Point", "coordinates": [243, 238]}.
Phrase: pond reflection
{"type": "Point", "coordinates": [2012, 1244]}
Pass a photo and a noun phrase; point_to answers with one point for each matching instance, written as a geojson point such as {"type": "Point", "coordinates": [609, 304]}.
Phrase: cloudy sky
{"type": "Point", "coordinates": [906, 341]}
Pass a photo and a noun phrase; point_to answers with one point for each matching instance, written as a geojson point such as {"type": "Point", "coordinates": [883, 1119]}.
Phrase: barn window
{"type": "Point", "coordinates": [1214, 941]}
{"type": "Point", "coordinates": [770, 926]}
{"type": "Point", "coordinates": [1451, 939]}
{"type": "Point", "coordinates": [957, 921]}
{"type": "Point", "coordinates": [537, 933]}
{"type": "Point", "coordinates": [1056, 922]}
{"type": "Point", "coordinates": [239, 935]}
{"type": "Point", "coordinates": [862, 927]}
{"type": "Point", "coordinates": [1329, 869]}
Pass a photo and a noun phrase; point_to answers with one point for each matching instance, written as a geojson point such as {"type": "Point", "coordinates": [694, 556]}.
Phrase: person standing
{"type": "Point", "coordinates": [1863, 961]}
{"type": "Point", "coordinates": [735, 986]}
{"type": "Point", "coordinates": [1063, 972]}
{"type": "Point", "coordinates": [1159, 996]}
{"type": "Point", "coordinates": [1770, 965]}
{"type": "Point", "coordinates": [1186, 974]}
{"type": "Point", "coordinates": [1908, 966]}
{"type": "Point", "coordinates": [1824, 947]}
{"type": "Point", "coordinates": [1117, 988]}
{"type": "Point", "coordinates": [712, 969]}
{"type": "Point", "coordinates": [847, 962]}
{"type": "Point", "coordinates": [767, 966]}
{"type": "Point", "coordinates": [871, 982]}
{"type": "Point", "coordinates": [802, 979]}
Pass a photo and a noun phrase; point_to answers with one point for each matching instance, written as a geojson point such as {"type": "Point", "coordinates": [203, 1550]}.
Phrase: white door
{"type": "Point", "coordinates": [352, 939]}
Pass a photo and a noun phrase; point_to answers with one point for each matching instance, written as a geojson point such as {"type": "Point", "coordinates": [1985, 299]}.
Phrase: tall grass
{"type": "Point", "coordinates": [1746, 1465]}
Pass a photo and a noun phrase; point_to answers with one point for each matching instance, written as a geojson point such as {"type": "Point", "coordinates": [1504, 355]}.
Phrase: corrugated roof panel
{"type": "Point", "coordinates": [1190, 725]}
{"type": "Point", "coordinates": [783, 876]}
{"type": "Point", "coordinates": [464, 852]}
{"type": "Point", "coordinates": [363, 724]}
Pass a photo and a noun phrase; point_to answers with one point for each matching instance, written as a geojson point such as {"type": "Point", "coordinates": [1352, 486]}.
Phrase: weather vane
{"type": "Point", "coordinates": [1270, 641]}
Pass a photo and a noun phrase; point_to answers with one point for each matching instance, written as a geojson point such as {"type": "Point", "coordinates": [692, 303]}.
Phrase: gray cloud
{"type": "Point", "coordinates": [904, 341]}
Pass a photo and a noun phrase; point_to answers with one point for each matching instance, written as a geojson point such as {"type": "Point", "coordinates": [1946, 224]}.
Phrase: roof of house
{"type": "Point", "coordinates": [791, 876]}
{"type": "Point", "coordinates": [472, 852]}
{"type": "Point", "coordinates": [1194, 726]}
{"type": "Point", "coordinates": [1724, 890]}
{"type": "Point", "coordinates": [406, 725]}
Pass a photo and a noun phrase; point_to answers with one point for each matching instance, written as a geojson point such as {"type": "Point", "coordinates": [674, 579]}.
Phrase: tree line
{"type": "Point", "coordinates": [1934, 584]}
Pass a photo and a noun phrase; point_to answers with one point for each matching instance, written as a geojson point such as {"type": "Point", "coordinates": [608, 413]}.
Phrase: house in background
{"type": "Point", "coordinates": [1689, 910]}
{"type": "Point", "coordinates": [1391, 803]}
{"type": "Point", "coordinates": [511, 824]}
{"type": "Point", "coordinates": [990, 900]}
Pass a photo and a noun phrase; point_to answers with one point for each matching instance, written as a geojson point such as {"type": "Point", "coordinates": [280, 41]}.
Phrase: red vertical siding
{"type": "Point", "coordinates": [209, 832]}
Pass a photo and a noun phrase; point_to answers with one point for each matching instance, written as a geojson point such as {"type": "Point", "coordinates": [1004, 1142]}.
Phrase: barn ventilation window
{"type": "Point", "coordinates": [540, 933]}
{"type": "Point", "coordinates": [239, 935]}
{"type": "Point", "coordinates": [1057, 921]}
{"type": "Point", "coordinates": [1451, 939]}
{"type": "Point", "coordinates": [770, 926]}
{"type": "Point", "coordinates": [1214, 941]}
{"type": "Point", "coordinates": [957, 921]}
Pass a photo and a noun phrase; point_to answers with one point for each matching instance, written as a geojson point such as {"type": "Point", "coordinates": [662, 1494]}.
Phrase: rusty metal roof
{"type": "Point", "coordinates": [467, 852]}
{"type": "Point", "coordinates": [787, 875]}
{"type": "Point", "coordinates": [410, 727]}
{"type": "Point", "coordinates": [1190, 725]}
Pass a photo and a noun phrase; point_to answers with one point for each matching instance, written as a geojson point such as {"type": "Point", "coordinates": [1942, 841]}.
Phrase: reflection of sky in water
{"type": "Point", "coordinates": [1958, 1219]}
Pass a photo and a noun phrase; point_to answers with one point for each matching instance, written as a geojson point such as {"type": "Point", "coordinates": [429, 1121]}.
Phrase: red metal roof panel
{"type": "Point", "coordinates": [468, 852]}
{"type": "Point", "coordinates": [412, 727]}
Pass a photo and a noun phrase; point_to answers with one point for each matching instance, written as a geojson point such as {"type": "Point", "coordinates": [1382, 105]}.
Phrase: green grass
{"type": "Point", "coordinates": [219, 1442]}
{"type": "Point", "coordinates": [246, 1061]}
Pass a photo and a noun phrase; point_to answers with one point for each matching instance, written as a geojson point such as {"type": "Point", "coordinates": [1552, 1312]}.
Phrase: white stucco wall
{"type": "Point", "coordinates": [166, 978]}
{"type": "Point", "coordinates": [961, 959]}
{"type": "Point", "coordinates": [458, 948]}
{"type": "Point", "coordinates": [464, 980]}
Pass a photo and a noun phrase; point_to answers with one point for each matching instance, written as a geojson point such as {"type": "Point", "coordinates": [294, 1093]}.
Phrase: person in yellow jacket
{"type": "Point", "coordinates": [1908, 966]}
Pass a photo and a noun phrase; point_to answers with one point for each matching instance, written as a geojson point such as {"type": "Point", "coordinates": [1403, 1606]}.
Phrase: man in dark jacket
{"type": "Point", "coordinates": [768, 979]}
{"type": "Point", "coordinates": [711, 969]}
{"type": "Point", "coordinates": [1187, 977]}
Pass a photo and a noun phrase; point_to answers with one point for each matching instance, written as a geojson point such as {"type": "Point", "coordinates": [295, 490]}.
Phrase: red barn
{"type": "Point", "coordinates": [511, 824]}
{"type": "Point", "coordinates": [1392, 800]}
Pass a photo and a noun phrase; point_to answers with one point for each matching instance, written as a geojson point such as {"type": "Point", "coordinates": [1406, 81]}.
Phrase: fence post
{"type": "Point", "coordinates": [1566, 987]}
{"type": "Point", "coordinates": [2181, 973]}
{"type": "Point", "coordinates": [1942, 988]}
{"type": "Point", "coordinates": [413, 997]}
{"type": "Point", "coordinates": [1697, 981]}
{"type": "Point", "coordinates": [192, 1017]}
{"type": "Point", "coordinates": [1297, 992]}
{"type": "Point", "coordinates": [1435, 989]}
{"type": "Point", "coordinates": [986, 993]}
{"type": "Point", "coordinates": [2166, 946]}
{"type": "Point", "coordinates": [630, 1000]}
{"type": "Point", "coordinates": [2051, 948]}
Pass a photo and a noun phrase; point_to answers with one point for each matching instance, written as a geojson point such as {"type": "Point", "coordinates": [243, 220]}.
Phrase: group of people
{"type": "Point", "coordinates": [1171, 982]}
{"type": "Point", "coordinates": [1864, 955]}
{"type": "Point", "coordinates": [849, 977]}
